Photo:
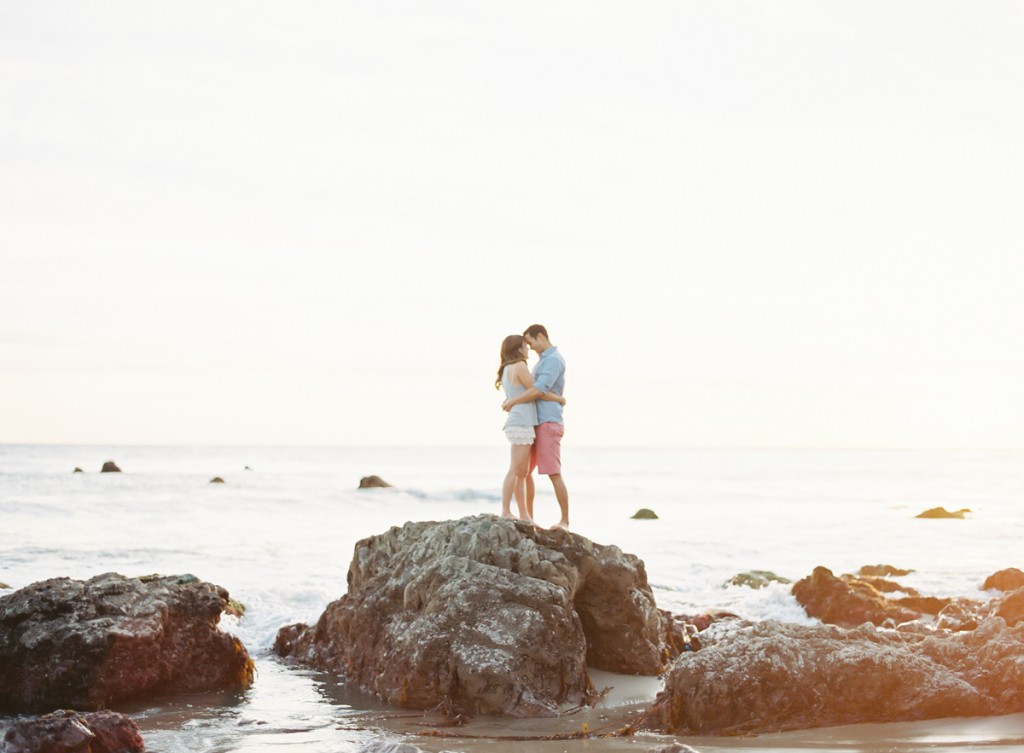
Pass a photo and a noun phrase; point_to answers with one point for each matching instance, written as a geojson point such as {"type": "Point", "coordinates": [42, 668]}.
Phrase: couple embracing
{"type": "Point", "coordinates": [534, 427]}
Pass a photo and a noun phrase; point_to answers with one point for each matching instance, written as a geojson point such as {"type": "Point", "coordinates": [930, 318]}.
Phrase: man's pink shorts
{"type": "Point", "coordinates": [546, 455]}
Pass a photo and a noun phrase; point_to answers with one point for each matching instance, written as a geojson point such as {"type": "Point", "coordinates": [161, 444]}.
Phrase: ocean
{"type": "Point", "coordinates": [279, 535]}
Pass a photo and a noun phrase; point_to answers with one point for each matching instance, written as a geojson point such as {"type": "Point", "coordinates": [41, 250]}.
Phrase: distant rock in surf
{"type": "Point", "coordinates": [373, 482]}
{"type": "Point", "coordinates": [942, 512]}
{"type": "Point", "coordinates": [1005, 580]}
{"type": "Point", "coordinates": [71, 732]}
{"type": "Point", "coordinates": [4, 586]}
{"type": "Point", "coordinates": [770, 676]}
{"type": "Point", "coordinates": [485, 615]}
{"type": "Point", "coordinates": [645, 514]}
{"type": "Point", "coordinates": [216, 480]}
{"type": "Point", "coordinates": [93, 644]}
{"type": "Point", "coordinates": [848, 601]}
{"type": "Point", "coordinates": [78, 470]}
{"type": "Point", "coordinates": [247, 468]}
{"type": "Point", "coordinates": [110, 467]}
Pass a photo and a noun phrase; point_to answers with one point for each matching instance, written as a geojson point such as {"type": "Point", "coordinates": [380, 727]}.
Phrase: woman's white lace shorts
{"type": "Point", "coordinates": [520, 434]}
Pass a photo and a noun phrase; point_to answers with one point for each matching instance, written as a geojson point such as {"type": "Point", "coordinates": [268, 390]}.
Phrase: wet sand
{"type": "Point", "coordinates": [629, 696]}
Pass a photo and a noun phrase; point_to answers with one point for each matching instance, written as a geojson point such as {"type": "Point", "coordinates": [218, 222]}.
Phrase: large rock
{"type": "Point", "coordinates": [1011, 607]}
{"type": "Point", "coordinates": [110, 467]}
{"type": "Point", "coordinates": [485, 615]}
{"type": "Point", "coordinates": [92, 644]}
{"type": "Point", "coordinates": [373, 482]}
{"type": "Point", "coordinates": [847, 601]}
{"type": "Point", "coordinates": [71, 732]}
{"type": "Point", "coordinates": [771, 676]}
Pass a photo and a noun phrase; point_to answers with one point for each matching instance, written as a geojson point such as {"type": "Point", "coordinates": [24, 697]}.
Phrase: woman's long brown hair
{"type": "Point", "coordinates": [511, 352]}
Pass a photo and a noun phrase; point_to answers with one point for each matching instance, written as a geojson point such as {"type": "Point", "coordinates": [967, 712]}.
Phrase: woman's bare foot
{"type": "Point", "coordinates": [507, 514]}
{"type": "Point", "coordinates": [563, 524]}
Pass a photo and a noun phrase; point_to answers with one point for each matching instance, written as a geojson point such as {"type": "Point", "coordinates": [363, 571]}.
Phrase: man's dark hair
{"type": "Point", "coordinates": [536, 329]}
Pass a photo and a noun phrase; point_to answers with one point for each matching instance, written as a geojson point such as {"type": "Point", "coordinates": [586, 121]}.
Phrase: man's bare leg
{"type": "Point", "coordinates": [562, 495]}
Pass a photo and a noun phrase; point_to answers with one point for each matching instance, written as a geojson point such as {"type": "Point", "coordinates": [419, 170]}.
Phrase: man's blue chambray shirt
{"type": "Point", "coordinates": [549, 376]}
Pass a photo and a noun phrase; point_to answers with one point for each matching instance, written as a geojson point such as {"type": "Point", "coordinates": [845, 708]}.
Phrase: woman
{"type": "Point", "coordinates": [515, 377]}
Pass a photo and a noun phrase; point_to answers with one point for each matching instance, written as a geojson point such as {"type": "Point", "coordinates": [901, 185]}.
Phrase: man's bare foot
{"type": "Point", "coordinates": [563, 524]}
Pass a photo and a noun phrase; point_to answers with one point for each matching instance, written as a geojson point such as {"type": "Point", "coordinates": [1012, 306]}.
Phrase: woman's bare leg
{"type": "Point", "coordinates": [520, 467]}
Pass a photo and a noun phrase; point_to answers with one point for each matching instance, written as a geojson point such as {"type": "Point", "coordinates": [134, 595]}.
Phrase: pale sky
{"type": "Point", "coordinates": [770, 224]}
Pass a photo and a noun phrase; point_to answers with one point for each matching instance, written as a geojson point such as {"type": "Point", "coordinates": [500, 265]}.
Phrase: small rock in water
{"type": "Point", "coordinates": [216, 480]}
{"type": "Point", "coordinates": [110, 467]}
{"type": "Point", "coordinates": [942, 512]}
{"type": "Point", "coordinates": [373, 482]}
{"type": "Point", "coordinates": [1005, 580]}
{"type": "Point", "coordinates": [248, 468]}
{"type": "Point", "coordinates": [674, 748]}
{"type": "Point", "coordinates": [77, 470]}
{"type": "Point", "coordinates": [3, 586]}
{"type": "Point", "coordinates": [644, 514]}
{"type": "Point", "coordinates": [71, 732]}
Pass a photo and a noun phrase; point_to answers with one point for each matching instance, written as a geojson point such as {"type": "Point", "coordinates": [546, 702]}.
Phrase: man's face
{"type": "Point", "coordinates": [532, 342]}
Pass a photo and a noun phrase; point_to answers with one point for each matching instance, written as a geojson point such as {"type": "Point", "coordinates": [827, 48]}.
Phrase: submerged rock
{"type": "Point", "coordinates": [485, 615]}
{"type": "Point", "coordinates": [216, 480]}
{"type": "Point", "coordinates": [93, 644]}
{"type": "Point", "coordinates": [942, 512]}
{"type": "Point", "coordinates": [848, 601]}
{"type": "Point", "coordinates": [770, 676]}
{"type": "Point", "coordinates": [1009, 579]}
{"type": "Point", "coordinates": [110, 467]}
{"type": "Point", "coordinates": [645, 514]}
{"type": "Point", "coordinates": [881, 571]}
{"type": "Point", "coordinates": [71, 732]}
{"type": "Point", "coordinates": [373, 482]}
{"type": "Point", "coordinates": [757, 579]}
{"type": "Point", "coordinates": [78, 470]}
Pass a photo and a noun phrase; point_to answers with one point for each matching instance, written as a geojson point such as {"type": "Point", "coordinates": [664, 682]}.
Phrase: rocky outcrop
{"type": "Point", "coordinates": [847, 601]}
{"type": "Point", "coordinates": [110, 467]}
{"type": "Point", "coordinates": [1009, 579]}
{"type": "Point", "coordinates": [1011, 607]}
{"type": "Point", "coordinates": [71, 732]}
{"type": "Point", "coordinates": [92, 644]}
{"type": "Point", "coordinates": [485, 615]}
{"type": "Point", "coordinates": [373, 482]}
{"type": "Point", "coordinates": [770, 676]}
{"type": "Point", "coordinates": [942, 512]}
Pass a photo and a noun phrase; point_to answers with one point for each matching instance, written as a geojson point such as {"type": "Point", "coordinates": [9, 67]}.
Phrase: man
{"type": "Point", "coordinates": [546, 454]}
